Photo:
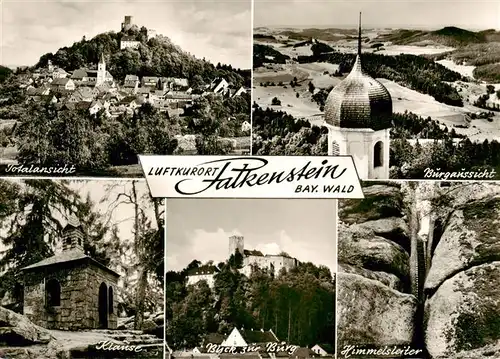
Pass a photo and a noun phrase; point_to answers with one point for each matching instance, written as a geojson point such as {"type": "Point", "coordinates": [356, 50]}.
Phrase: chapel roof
{"type": "Point", "coordinates": [68, 256]}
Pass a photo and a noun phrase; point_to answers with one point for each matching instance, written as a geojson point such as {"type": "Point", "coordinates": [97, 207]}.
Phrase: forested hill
{"type": "Point", "coordinates": [5, 72]}
{"type": "Point", "coordinates": [298, 305]}
{"type": "Point", "coordinates": [157, 56]}
{"type": "Point", "coordinates": [448, 36]}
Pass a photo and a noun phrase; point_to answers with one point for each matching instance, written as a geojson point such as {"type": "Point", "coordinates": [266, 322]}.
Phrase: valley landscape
{"type": "Point", "coordinates": [444, 84]}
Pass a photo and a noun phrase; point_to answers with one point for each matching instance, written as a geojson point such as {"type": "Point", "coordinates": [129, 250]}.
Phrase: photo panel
{"type": "Point", "coordinates": [408, 88]}
{"type": "Point", "coordinates": [250, 278]}
{"type": "Point", "coordinates": [86, 86]}
{"type": "Point", "coordinates": [419, 271]}
{"type": "Point", "coordinates": [81, 269]}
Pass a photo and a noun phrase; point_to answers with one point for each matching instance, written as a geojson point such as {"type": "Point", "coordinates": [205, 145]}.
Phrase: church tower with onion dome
{"type": "Point", "coordinates": [358, 115]}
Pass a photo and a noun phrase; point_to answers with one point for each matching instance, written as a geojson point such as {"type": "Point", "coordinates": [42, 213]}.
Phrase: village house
{"type": "Point", "coordinates": [173, 83]}
{"type": "Point", "coordinates": [303, 353]}
{"type": "Point", "coordinates": [37, 91]}
{"type": "Point", "coordinates": [97, 106]}
{"type": "Point", "coordinates": [59, 73]}
{"type": "Point", "coordinates": [132, 102]}
{"type": "Point", "coordinates": [323, 350]}
{"type": "Point", "coordinates": [219, 85]}
{"type": "Point", "coordinates": [62, 84]}
{"type": "Point", "coordinates": [177, 96]}
{"type": "Point", "coordinates": [131, 83]}
{"type": "Point", "coordinates": [240, 91]}
{"type": "Point", "coordinates": [150, 81]}
{"type": "Point", "coordinates": [82, 94]}
{"type": "Point", "coordinates": [144, 91]}
{"type": "Point", "coordinates": [246, 126]}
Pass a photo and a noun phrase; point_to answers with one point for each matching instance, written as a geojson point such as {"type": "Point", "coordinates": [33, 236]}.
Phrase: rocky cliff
{"type": "Point", "coordinates": [462, 310]}
{"type": "Point", "coordinates": [457, 315]}
{"type": "Point", "coordinates": [374, 305]}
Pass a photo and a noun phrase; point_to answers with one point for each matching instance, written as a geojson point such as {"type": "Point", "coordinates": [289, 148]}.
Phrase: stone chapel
{"type": "Point", "coordinates": [70, 290]}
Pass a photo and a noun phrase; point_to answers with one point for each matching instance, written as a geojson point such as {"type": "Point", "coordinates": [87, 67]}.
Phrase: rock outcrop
{"type": "Point", "coordinates": [464, 313]}
{"type": "Point", "coordinates": [463, 307]}
{"type": "Point", "coordinates": [17, 330]}
{"type": "Point", "coordinates": [471, 237]}
{"type": "Point", "coordinates": [370, 312]}
{"type": "Point", "coordinates": [366, 250]}
{"type": "Point", "coordinates": [381, 201]}
{"type": "Point", "coordinates": [21, 339]}
{"type": "Point", "coordinates": [373, 304]}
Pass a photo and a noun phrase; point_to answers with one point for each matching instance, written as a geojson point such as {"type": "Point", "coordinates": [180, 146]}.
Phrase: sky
{"type": "Point", "coordinates": [428, 14]}
{"type": "Point", "coordinates": [200, 229]}
{"type": "Point", "coordinates": [219, 30]}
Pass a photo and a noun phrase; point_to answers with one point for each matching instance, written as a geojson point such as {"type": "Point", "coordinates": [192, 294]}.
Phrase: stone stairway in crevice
{"type": "Point", "coordinates": [122, 344]}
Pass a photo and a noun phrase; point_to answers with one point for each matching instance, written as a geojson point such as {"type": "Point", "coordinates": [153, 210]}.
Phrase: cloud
{"type": "Point", "coordinates": [199, 229]}
{"type": "Point", "coordinates": [479, 14]}
{"type": "Point", "coordinates": [218, 31]}
{"type": "Point", "coordinates": [198, 244]}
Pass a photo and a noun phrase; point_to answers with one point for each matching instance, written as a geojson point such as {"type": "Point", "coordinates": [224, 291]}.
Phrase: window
{"type": "Point", "coordinates": [67, 240]}
{"type": "Point", "coordinates": [378, 154]}
{"type": "Point", "coordinates": [53, 293]}
{"type": "Point", "coordinates": [335, 149]}
{"type": "Point", "coordinates": [110, 299]}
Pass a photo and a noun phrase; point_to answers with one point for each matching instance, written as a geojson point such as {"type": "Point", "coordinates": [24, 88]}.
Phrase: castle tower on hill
{"type": "Point", "coordinates": [236, 243]}
{"type": "Point", "coordinates": [127, 23]}
{"type": "Point", "coordinates": [358, 115]}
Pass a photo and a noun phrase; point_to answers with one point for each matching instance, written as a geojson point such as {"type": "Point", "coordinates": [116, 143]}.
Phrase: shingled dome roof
{"type": "Point", "coordinates": [359, 101]}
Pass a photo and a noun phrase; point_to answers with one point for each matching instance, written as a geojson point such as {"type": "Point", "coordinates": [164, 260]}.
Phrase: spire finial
{"type": "Point", "coordinates": [359, 35]}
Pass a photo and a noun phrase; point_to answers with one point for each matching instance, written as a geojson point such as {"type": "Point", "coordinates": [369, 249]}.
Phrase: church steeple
{"type": "Point", "coordinates": [357, 68]}
{"type": "Point", "coordinates": [101, 71]}
{"type": "Point", "coordinates": [359, 36]}
{"type": "Point", "coordinates": [73, 236]}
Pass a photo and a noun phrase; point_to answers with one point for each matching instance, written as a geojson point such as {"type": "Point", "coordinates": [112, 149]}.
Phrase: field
{"type": "Point", "coordinates": [404, 99]}
{"type": "Point", "coordinates": [464, 70]}
{"type": "Point", "coordinates": [302, 106]}
{"type": "Point", "coordinates": [394, 50]}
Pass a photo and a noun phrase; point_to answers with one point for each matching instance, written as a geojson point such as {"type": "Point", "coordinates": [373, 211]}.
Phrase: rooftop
{"type": "Point", "coordinates": [73, 255]}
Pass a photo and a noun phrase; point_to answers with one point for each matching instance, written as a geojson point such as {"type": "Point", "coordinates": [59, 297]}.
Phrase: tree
{"type": "Point", "coordinates": [31, 211]}
{"type": "Point", "coordinates": [49, 137]}
{"type": "Point", "coordinates": [311, 87]}
{"type": "Point", "coordinates": [147, 244]}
